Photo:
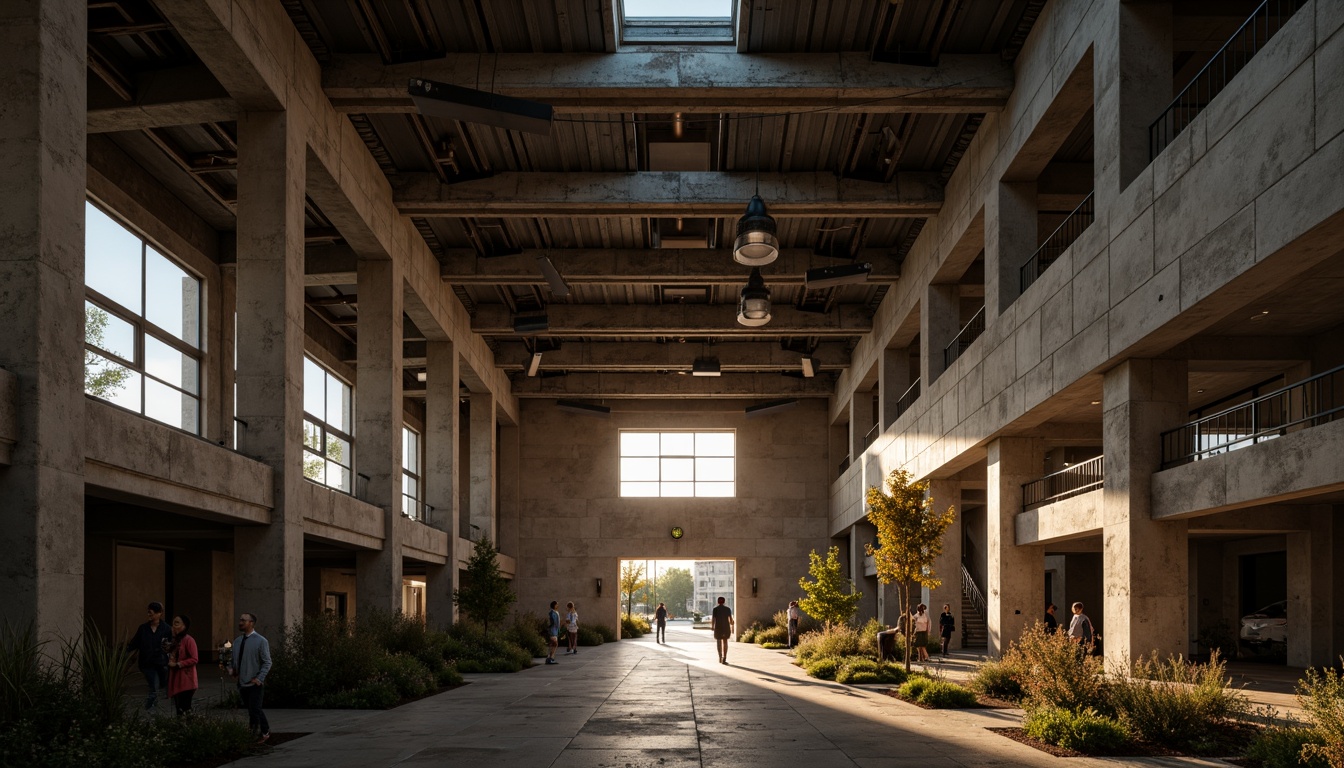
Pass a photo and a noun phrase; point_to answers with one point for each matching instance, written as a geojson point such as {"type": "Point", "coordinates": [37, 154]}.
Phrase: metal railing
{"type": "Point", "coordinates": [1059, 241]}
{"type": "Point", "coordinates": [971, 591]}
{"type": "Point", "coordinates": [1308, 403]}
{"type": "Point", "coordinates": [1214, 77]}
{"type": "Point", "coordinates": [872, 434]}
{"type": "Point", "coordinates": [907, 398]}
{"type": "Point", "coordinates": [965, 337]}
{"type": "Point", "coordinates": [1070, 481]}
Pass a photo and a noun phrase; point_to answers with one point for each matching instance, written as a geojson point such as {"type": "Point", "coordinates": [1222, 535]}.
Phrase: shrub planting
{"type": "Point", "coordinates": [1084, 731]}
{"type": "Point", "coordinates": [1054, 673]}
{"type": "Point", "coordinates": [773, 646]}
{"type": "Point", "coordinates": [939, 694]}
{"type": "Point", "coordinates": [1282, 748]}
{"type": "Point", "coordinates": [607, 634]}
{"type": "Point", "coordinates": [634, 626]}
{"type": "Point", "coordinates": [1322, 696]}
{"type": "Point", "coordinates": [1173, 702]}
{"type": "Point", "coordinates": [998, 679]}
{"type": "Point", "coordinates": [590, 636]}
{"type": "Point", "coordinates": [835, 641]}
{"type": "Point", "coordinates": [862, 670]}
{"type": "Point", "coordinates": [823, 668]}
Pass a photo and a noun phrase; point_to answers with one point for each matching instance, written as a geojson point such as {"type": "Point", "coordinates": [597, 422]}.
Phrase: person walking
{"type": "Point", "coordinates": [1080, 630]}
{"type": "Point", "coordinates": [572, 628]}
{"type": "Point", "coordinates": [660, 622]}
{"type": "Point", "coordinates": [182, 661]}
{"type": "Point", "coordinates": [722, 624]}
{"type": "Point", "coordinates": [947, 624]}
{"type": "Point", "coordinates": [250, 664]}
{"type": "Point", "coordinates": [1051, 623]}
{"type": "Point", "coordinates": [793, 615]}
{"type": "Point", "coordinates": [921, 620]}
{"type": "Point", "coordinates": [149, 644]}
{"type": "Point", "coordinates": [552, 633]}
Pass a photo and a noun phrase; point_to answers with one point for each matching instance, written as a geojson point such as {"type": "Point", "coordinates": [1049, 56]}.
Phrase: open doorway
{"type": "Point", "coordinates": [688, 588]}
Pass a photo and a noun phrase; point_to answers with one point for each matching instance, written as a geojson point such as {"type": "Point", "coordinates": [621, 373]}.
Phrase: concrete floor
{"type": "Point", "coordinates": [635, 703]}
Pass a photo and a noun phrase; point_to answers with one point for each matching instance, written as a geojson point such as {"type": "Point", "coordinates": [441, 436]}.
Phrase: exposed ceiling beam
{"type": "Point", "coordinates": [646, 321]}
{"type": "Point", "coordinates": [650, 356]}
{"type": "Point", "coordinates": [334, 264]}
{"type": "Point", "coordinates": [673, 385]}
{"type": "Point", "coordinates": [666, 194]}
{"type": "Point", "coordinates": [163, 98]}
{"type": "Point", "coordinates": [686, 81]}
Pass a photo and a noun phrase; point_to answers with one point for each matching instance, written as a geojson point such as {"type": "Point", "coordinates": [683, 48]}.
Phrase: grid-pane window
{"type": "Point", "coordinates": [328, 445]}
{"type": "Point", "coordinates": [142, 325]}
{"type": "Point", "coordinates": [412, 484]}
{"type": "Point", "coordinates": [672, 464]}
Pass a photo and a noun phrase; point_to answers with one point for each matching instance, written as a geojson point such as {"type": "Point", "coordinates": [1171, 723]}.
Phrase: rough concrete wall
{"type": "Point", "coordinates": [9, 420]}
{"type": "Point", "coordinates": [1085, 586]}
{"type": "Point", "coordinates": [141, 577]}
{"type": "Point", "coordinates": [574, 527]}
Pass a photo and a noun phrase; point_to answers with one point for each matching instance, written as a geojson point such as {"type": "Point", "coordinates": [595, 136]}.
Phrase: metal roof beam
{"type": "Point", "coordinates": [661, 321]}
{"type": "Point", "coordinates": [673, 385]}
{"type": "Point", "coordinates": [686, 81]}
{"type": "Point", "coordinates": [651, 356]}
{"type": "Point", "coordinates": [666, 194]}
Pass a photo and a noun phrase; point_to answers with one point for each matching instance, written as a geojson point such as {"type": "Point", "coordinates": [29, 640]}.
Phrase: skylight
{"type": "Point", "coordinates": [679, 9]}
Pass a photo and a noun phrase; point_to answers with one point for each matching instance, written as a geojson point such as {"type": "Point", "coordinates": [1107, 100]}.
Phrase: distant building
{"type": "Point", "coordinates": [713, 579]}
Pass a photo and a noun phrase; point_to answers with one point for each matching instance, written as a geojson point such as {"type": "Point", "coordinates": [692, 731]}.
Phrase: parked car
{"type": "Point", "coordinates": [1266, 630]}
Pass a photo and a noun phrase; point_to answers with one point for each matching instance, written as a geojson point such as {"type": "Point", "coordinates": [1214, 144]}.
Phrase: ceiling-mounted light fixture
{"type": "Point", "coordinates": [756, 244]}
{"type": "Point", "coordinates": [706, 366]}
{"type": "Point", "coordinates": [753, 309]}
{"type": "Point", "coordinates": [534, 364]}
{"type": "Point", "coordinates": [809, 367]}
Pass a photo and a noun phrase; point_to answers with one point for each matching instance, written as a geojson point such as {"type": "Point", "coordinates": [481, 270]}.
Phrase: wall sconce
{"type": "Point", "coordinates": [599, 587]}
{"type": "Point", "coordinates": [754, 585]}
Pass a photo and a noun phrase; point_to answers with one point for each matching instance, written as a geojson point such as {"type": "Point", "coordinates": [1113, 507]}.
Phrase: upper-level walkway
{"type": "Point", "coordinates": [636, 704]}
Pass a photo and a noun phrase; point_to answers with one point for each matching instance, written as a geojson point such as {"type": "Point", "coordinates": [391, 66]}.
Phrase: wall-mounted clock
{"type": "Point", "coordinates": [677, 533]}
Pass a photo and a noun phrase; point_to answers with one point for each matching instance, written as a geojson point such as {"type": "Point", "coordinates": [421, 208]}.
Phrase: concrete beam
{"type": "Point", "coordinates": [666, 194]}
{"type": "Point", "coordinates": [673, 386]}
{"type": "Point", "coordinates": [180, 96]}
{"type": "Point", "coordinates": [334, 264]}
{"type": "Point", "coordinates": [686, 81]}
{"type": "Point", "coordinates": [1206, 350]}
{"type": "Point", "coordinates": [677, 320]}
{"type": "Point", "coordinates": [649, 356]}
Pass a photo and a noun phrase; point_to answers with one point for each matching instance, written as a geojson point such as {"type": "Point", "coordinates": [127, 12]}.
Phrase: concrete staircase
{"type": "Point", "coordinates": [974, 633]}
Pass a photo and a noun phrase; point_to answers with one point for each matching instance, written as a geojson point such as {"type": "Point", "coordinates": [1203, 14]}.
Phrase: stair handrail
{"type": "Point", "coordinates": [969, 588]}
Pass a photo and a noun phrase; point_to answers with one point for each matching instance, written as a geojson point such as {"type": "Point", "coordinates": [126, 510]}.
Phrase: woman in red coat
{"type": "Point", "coordinates": [182, 661]}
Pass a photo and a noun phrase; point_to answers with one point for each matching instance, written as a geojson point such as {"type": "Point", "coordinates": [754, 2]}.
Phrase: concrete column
{"type": "Point", "coordinates": [861, 420]}
{"type": "Point", "coordinates": [947, 566]}
{"type": "Point", "coordinates": [43, 49]}
{"type": "Point", "coordinates": [1311, 596]}
{"type": "Point", "coordinates": [1145, 562]}
{"type": "Point", "coordinates": [893, 381]}
{"type": "Point", "coordinates": [482, 433]}
{"type": "Point", "coordinates": [509, 481]}
{"type": "Point", "coordinates": [442, 432]}
{"type": "Point", "coordinates": [268, 575]}
{"type": "Point", "coordinates": [1133, 83]}
{"type": "Point", "coordinates": [939, 321]}
{"type": "Point", "coordinates": [378, 425]}
{"type": "Point", "coordinates": [1010, 239]}
{"type": "Point", "coordinates": [1015, 591]}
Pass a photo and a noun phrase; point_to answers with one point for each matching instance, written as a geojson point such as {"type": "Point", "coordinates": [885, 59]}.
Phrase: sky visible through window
{"type": "Point", "coordinates": [678, 9]}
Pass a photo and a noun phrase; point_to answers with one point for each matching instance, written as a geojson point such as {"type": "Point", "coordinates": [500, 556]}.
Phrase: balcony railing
{"type": "Point", "coordinates": [907, 398]}
{"type": "Point", "coordinates": [965, 337]}
{"type": "Point", "coordinates": [1070, 481]}
{"type": "Point", "coordinates": [1214, 77]}
{"type": "Point", "coordinates": [972, 592]}
{"type": "Point", "coordinates": [1059, 241]}
{"type": "Point", "coordinates": [1308, 403]}
{"type": "Point", "coordinates": [872, 434]}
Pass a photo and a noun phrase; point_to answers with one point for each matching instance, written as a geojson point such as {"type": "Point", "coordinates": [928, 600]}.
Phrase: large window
{"type": "Point", "coordinates": [677, 464]}
{"type": "Point", "coordinates": [328, 440]}
{"type": "Point", "coordinates": [412, 488]}
{"type": "Point", "coordinates": [142, 325]}
{"type": "Point", "coordinates": [677, 21]}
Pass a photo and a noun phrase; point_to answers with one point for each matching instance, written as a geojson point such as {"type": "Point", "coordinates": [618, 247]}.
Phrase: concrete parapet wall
{"type": "Point", "coordinates": [9, 417]}
{"type": "Point", "coordinates": [1303, 463]}
{"type": "Point", "coordinates": [1069, 518]}
{"type": "Point", "coordinates": [422, 542]}
{"type": "Point", "coordinates": [341, 518]}
{"type": "Point", "coordinates": [1241, 203]}
{"type": "Point", "coordinates": [139, 459]}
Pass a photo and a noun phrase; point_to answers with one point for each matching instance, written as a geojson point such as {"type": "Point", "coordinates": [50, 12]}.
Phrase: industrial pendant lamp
{"type": "Point", "coordinates": [753, 309]}
{"type": "Point", "coordinates": [756, 244]}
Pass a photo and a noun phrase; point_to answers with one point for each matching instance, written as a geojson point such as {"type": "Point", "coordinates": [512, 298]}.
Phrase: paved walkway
{"type": "Point", "coordinates": [636, 704]}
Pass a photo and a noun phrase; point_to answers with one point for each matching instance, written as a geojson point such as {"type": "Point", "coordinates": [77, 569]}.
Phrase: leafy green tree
{"type": "Point", "coordinates": [101, 377]}
{"type": "Point", "coordinates": [632, 581]}
{"type": "Point", "coordinates": [485, 595]}
{"type": "Point", "coordinates": [676, 587]}
{"type": "Point", "coordinates": [831, 598]}
{"type": "Point", "coordinates": [909, 536]}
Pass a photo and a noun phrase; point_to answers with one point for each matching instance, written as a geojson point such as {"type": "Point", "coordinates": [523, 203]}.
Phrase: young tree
{"type": "Point", "coordinates": [831, 598]}
{"type": "Point", "coordinates": [909, 537]}
{"type": "Point", "coordinates": [632, 581]}
{"type": "Point", "coordinates": [485, 595]}
{"type": "Point", "coordinates": [676, 588]}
